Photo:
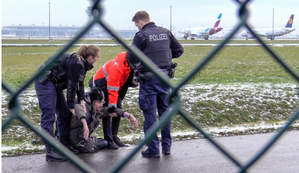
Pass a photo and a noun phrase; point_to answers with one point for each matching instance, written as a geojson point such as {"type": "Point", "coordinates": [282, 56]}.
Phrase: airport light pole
{"type": "Point", "coordinates": [43, 30]}
{"type": "Point", "coordinates": [170, 19]}
{"type": "Point", "coordinates": [273, 27]}
{"type": "Point", "coordinates": [49, 26]}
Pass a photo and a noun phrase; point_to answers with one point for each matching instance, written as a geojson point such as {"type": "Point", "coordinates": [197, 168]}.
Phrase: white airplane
{"type": "Point", "coordinates": [267, 32]}
{"type": "Point", "coordinates": [202, 32]}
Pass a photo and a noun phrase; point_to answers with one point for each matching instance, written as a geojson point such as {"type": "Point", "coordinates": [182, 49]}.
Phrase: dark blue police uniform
{"type": "Point", "coordinates": [69, 74]}
{"type": "Point", "coordinates": [161, 47]}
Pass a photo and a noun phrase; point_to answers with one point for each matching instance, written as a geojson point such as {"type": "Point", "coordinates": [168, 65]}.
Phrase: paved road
{"type": "Point", "coordinates": [187, 156]}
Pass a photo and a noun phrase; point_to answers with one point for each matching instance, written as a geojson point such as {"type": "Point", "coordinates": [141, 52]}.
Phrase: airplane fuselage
{"type": "Point", "coordinates": [268, 32]}
{"type": "Point", "coordinates": [200, 32]}
{"type": "Point", "coordinates": [204, 32]}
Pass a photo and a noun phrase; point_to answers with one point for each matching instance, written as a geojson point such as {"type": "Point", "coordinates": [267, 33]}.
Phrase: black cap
{"type": "Point", "coordinates": [132, 58]}
{"type": "Point", "coordinates": [95, 94]}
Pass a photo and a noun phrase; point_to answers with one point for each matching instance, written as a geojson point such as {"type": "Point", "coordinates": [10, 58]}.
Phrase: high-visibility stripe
{"type": "Point", "coordinates": [93, 84]}
{"type": "Point", "coordinates": [116, 63]}
{"type": "Point", "coordinates": [113, 88]}
{"type": "Point", "coordinates": [111, 105]}
{"type": "Point", "coordinates": [105, 72]}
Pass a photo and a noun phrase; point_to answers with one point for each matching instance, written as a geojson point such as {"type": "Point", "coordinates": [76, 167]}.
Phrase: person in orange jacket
{"type": "Point", "coordinates": [113, 79]}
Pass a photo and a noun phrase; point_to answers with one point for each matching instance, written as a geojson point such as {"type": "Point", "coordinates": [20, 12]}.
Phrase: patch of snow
{"type": "Point", "coordinates": [219, 93]}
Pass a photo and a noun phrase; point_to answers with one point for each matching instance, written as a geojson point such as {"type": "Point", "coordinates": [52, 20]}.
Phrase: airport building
{"type": "Point", "coordinates": [33, 31]}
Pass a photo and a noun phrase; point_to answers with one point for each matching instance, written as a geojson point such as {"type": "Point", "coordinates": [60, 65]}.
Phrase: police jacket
{"type": "Point", "coordinates": [69, 73]}
{"type": "Point", "coordinates": [112, 77]}
{"type": "Point", "coordinates": [92, 117]}
{"type": "Point", "coordinates": [158, 44]}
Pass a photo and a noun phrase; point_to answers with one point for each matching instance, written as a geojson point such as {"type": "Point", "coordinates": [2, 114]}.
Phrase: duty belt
{"type": "Point", "coordinates": [152, 74]}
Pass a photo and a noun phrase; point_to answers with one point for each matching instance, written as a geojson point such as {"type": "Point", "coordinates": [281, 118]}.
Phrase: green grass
{"type": "Point", "coordinates": [232, 65]}
{"type": "Point", "coordinates": [19, 63]}
{"type": "Point", "coordinates": [238, 65]}
{"type": "Point", "coordinates": [129, 41]}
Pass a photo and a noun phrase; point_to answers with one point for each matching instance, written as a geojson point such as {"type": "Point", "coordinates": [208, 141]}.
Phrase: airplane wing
{"type": "Point", "coordinates": [198, 32]}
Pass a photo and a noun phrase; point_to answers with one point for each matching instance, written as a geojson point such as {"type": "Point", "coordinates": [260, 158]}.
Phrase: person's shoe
{"type": "Point", "coordinates": [146, 153]}
{"type": "Point", "coordinates": [112, 146]}
{"type": "Point", "coordinates": [71, 148]}
{"type": "Point", "coordinates": [65, 141]}
{"type": "Point", "coordinates": [118, 142]}
{"type": "Point", "coordinates": [53, 156]}
{"type": "Point", "coordinates": [166, 152]}
{"type": "Point", "coordinates": [75, 151]}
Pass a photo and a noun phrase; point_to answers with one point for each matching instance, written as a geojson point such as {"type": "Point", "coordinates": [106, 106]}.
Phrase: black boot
{"type": "Point", "coordinates": [53, 156]}
{"type": "Point", "coordinates": [65, 141]}
{"type": "Point", "coordinates": [118, 142]}
{"type": "Point", "coordinates": [112, 146]}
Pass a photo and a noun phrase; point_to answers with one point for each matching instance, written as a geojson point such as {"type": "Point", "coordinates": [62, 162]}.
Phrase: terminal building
{"type": "Point", "coordinates": [58, 32]}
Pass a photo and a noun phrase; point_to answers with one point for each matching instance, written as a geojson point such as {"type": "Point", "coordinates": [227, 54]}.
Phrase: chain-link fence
{"type": "Point", "coordinates": [174, 97]}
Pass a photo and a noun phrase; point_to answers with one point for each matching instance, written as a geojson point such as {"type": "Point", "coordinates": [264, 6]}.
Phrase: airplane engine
{"type": "Point", "coordinates": [271, 37]}
{"type": "Point", "coordinates": [248, 36]}
{"type": "Point", "coordinates": [251, 37]}
{"type": "Point", "coordinates": [186, 36]}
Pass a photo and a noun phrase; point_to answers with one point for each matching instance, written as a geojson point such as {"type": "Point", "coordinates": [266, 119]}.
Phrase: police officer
{"type": "Point", "coordinates": [160, 46]}
{"type": "Point", "coordinates": [68, 73]}
{"type": "Point", "coordinates": [113, 79]}
{"type": "Point", "coordinates": [84, 123]}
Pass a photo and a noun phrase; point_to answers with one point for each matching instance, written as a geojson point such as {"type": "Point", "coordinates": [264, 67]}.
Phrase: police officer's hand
{"type": "Point", "coordinates": [113, 114]}
{"type": "Point", "coordinates": [73, 112]}
{"type": "Point", "coordinates": [82, 102]}
{"type": "Point", "coordinates": [133, 121]}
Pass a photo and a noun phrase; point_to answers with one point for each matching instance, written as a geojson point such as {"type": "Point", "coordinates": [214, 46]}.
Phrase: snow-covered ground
{"type": "Point", "coordinates": [229, 95]}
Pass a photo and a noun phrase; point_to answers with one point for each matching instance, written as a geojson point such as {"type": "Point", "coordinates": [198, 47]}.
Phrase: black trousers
{"type": "Point", "coordinates": [51, 103]}
{"type": "Point", "coordinates": [111, 125]}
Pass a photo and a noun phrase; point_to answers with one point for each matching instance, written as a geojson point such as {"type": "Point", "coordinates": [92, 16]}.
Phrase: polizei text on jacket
{"type": "Point", "coordinates": [157, 37]}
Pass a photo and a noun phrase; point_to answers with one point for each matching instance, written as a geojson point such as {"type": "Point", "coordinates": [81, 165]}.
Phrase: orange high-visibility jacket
{"type": "Point", "coordinates": [116, 72]}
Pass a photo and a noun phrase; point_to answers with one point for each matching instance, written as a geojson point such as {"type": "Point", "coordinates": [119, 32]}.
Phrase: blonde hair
{"type": "Point", "coordinates": [85, 51]}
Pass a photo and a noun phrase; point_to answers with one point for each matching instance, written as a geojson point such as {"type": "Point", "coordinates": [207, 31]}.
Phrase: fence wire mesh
{"type": "Point", "coordinates": [174, 97]}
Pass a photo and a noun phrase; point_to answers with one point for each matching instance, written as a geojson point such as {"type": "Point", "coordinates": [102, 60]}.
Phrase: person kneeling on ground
{"type": "Point", "coordinates": [83, 124]}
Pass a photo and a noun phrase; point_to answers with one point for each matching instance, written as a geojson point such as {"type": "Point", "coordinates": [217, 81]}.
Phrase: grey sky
{"type": "Point", "coordinates": [118, 13]}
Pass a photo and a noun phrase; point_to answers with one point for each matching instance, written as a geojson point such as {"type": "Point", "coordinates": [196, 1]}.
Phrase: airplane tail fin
{"type": "Point", "coordinates": [290, 22]}
{"type": "Point", "coordinates": [218, 20]}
